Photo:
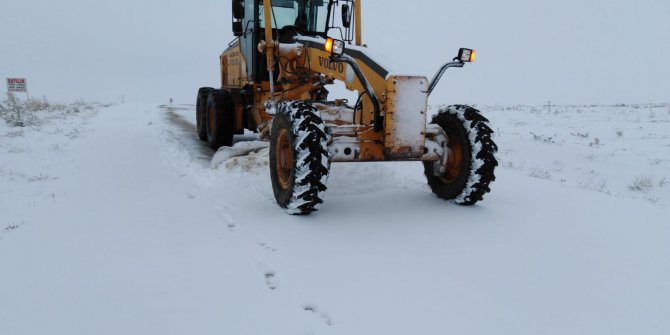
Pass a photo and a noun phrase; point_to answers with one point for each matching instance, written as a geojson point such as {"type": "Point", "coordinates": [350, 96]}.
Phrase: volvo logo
{"type": "Point", "coordinates": [333, 66]}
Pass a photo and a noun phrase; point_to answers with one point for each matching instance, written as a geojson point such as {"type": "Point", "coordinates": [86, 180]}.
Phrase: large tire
{"type": "Point", "coordinates": [470, 165]}
{"type": "Point", "coordinates": [201, 112]}
{"type": "Point", "coordinates": [220, 119]}
{"type": "Point", "coordinates": [299, 158]}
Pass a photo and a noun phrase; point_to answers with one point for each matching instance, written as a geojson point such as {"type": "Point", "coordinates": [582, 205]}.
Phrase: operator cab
{"type": "Point", "coordinates": [290, 18]}
{"type": "Point", "coordinates": [306, 17]}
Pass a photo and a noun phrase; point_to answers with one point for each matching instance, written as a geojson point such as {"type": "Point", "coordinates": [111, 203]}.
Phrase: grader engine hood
{"type": "Point", "coordinates": [320, 61]}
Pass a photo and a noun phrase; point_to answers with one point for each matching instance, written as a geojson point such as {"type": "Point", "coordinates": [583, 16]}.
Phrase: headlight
{"type": "Point", "coordinates": [335, 47]}
{"type": "Point", "coordinates": [466, 55]}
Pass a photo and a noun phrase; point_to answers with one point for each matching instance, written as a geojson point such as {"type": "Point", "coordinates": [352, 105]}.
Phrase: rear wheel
{"type": "Point", "coordinates": [299, 158]}
{"type": "Point", "coordinates": [201, 112]}
{"type": "Point", "coordinates": [465, 174]}
{"type": "Point", "coordinates": [220, 119]}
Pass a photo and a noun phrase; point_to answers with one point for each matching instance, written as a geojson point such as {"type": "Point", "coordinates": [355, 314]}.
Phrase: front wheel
{"type": "Point", "coordinates": [465, 174]}
{"type": "Point", "coordinates": [299, 158]}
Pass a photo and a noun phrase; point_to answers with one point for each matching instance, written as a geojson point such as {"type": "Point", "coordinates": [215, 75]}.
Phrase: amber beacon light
{"type": "Point", "coordinates": [329, 45]}
{"type": "Point", "coordinates": [335, 47]}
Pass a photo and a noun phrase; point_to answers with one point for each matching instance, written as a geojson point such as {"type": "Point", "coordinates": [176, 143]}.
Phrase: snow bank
{"type": "Point", "coordinates": [238, 149]}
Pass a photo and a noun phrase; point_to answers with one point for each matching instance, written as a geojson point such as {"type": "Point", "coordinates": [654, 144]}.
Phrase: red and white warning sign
{"type": "Point", "coordinates": [17, 85]}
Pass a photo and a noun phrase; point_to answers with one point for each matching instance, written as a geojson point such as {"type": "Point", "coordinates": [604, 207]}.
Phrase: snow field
{"type": "Point", "coordinates": [621, 150]}
{"type": "Point", "coordinates": [139, 234]}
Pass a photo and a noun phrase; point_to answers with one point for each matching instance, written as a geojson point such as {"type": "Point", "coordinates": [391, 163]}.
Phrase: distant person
{"type": "Point", "coordinates": [171, 101]}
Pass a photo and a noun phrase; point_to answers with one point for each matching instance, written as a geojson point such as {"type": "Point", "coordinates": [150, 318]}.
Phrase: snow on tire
{"type": "Point", "coordinates": [299, 158]}
{"type": "Point", "coordinates": [470, 165]}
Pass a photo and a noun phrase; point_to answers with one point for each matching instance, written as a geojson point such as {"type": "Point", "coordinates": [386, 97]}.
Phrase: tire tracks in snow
{"type": "Point", "coordinates": [266, 253]}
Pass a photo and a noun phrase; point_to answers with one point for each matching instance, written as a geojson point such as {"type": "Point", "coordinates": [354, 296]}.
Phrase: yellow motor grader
{"type": "Point", "coordinates": [274, 79]}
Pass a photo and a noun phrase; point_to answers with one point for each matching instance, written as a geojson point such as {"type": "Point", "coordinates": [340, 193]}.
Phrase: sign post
{"type": "Point", "coordinates": [17, 85]}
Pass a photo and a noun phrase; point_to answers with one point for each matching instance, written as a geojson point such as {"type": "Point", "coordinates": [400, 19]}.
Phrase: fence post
{"type": "Point", "coordinates": [19, 122]}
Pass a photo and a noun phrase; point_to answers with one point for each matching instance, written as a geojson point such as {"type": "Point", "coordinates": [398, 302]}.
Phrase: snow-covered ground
{"type": "Point", "coordinates": [119, 221]}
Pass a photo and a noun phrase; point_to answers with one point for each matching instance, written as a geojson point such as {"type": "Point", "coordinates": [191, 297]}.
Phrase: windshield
{"type": "Point", "coordinates": [308, 15]}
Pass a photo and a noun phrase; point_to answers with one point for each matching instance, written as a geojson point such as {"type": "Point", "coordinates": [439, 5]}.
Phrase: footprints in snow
{"type": "Point", "coordinates": [271, 280]}
{"type": "Point", "coordinates": [223, 209]}
{"type": "Point", "coordinates": [267, 246]}
{"type": "Point", "coordinates": [270, 275]}
{"type": "Point", "coordinates": [230, 222]}
{"type": "Point", "coordinates": [322, 315]}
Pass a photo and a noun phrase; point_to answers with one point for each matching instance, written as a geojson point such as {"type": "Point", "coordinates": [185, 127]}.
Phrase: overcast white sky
{"type": "Point", "coordinates": [529, 51]}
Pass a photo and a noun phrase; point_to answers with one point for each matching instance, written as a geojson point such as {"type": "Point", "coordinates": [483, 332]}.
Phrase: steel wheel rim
{"type": "Point", "coordinates": [284, 159]}
{"type": "Point", "coordinates": [454, 160]}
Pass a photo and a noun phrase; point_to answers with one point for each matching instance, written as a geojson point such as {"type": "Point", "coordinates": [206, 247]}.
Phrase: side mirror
{"type": "Point", "coordinates": [238, 9]}
{"type": "Point", "coordinates": [238, 30]}
{"type": "Point", "coordinates": [346, 16]}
